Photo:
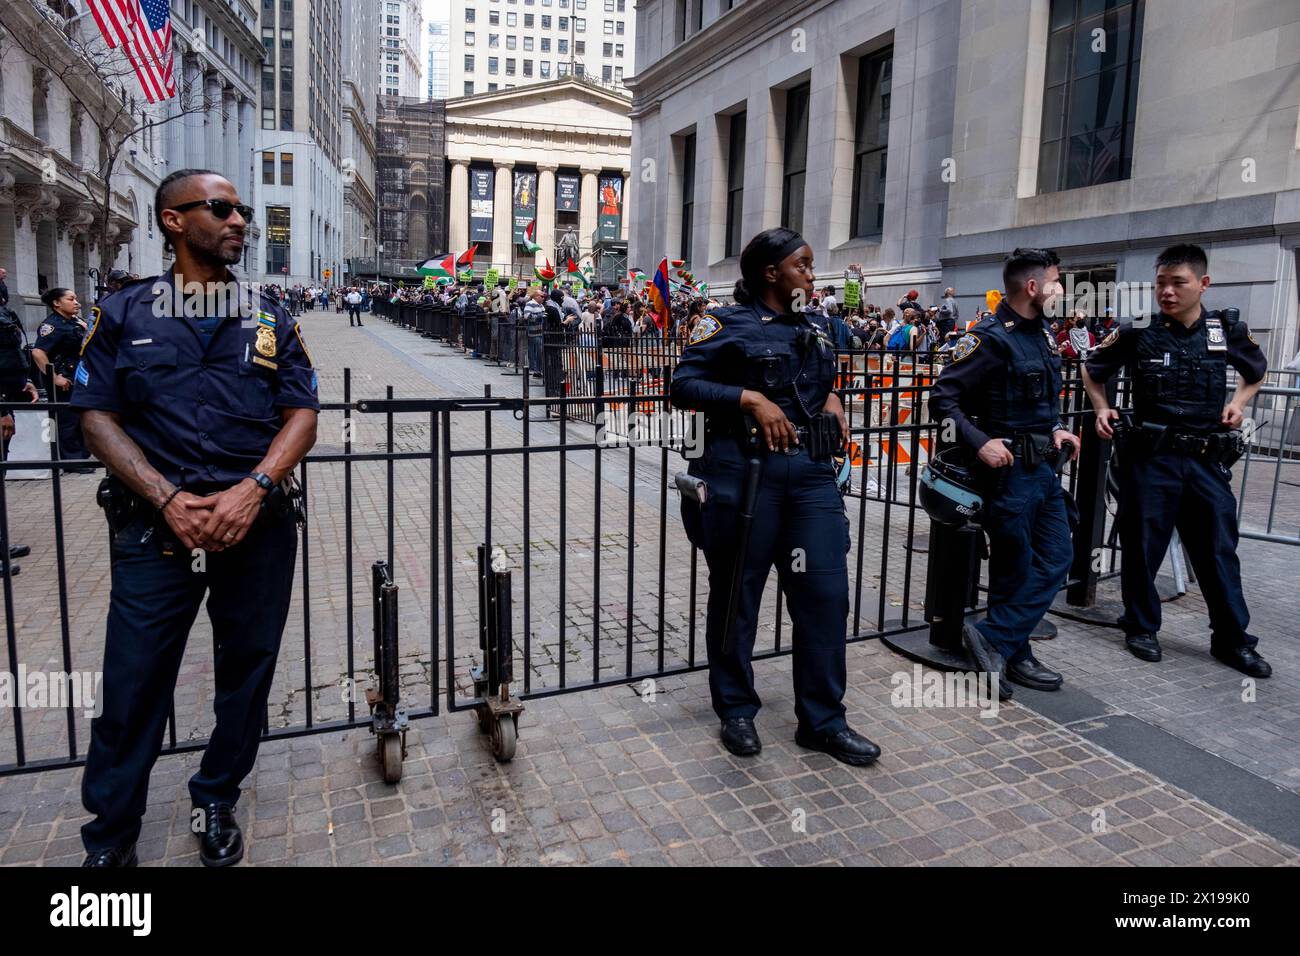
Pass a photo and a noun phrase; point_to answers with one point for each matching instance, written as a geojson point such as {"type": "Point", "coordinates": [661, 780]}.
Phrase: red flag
{"type": "Point", "coordinates": [467, 257]}
{"type": "Point", "coordinates": [142, 29]}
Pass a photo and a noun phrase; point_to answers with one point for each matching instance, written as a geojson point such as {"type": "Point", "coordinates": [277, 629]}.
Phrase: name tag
{"type": "Point", "coordinates": [141, 341]}
{"type": "Point", "coordinates": [258, 360]}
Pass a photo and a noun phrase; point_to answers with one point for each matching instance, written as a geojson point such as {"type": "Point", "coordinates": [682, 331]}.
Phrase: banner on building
{"type": "Point", "coordinates": [567, 191]}
{"type": "Point", "coordinates": [481, 184]}
{"type": "Point", "coordinates": [609, 223]}
{"type": "Point", "coordinates": [525, 203]}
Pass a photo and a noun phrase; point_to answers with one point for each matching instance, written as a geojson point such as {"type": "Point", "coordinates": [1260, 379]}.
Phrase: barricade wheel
{"type": "Point", "coordinates": [503, 738]}
{"type": "Point", "coordinates": [390, 757]}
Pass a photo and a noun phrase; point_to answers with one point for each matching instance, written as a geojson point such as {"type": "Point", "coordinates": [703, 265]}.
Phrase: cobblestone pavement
{"type": "Point", "coordinates": [603, 776]}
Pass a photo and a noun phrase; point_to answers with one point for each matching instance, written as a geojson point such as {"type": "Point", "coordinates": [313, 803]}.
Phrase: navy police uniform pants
{"type": "Point", "coordinates": [1029, 555]}
{"type": "Point", "coordinates": [1169, 490]}
{"type": "Point", "coordinates": [800, 526]}
{"type": "Point", "coordinates": [154, 601]}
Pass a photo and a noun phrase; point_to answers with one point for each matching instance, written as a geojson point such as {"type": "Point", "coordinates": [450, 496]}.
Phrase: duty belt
{"type": "Point", "coordinates": [1032, 447]}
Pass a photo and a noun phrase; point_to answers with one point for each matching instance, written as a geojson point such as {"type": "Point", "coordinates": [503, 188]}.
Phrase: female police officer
{"type": "Point", "coordinates": [58, 345]}
{"type": "Point", "coordinates": [761, 372]}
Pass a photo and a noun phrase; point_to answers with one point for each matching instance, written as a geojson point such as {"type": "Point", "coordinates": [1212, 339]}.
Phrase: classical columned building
{"type": "Point", "coordinates": [558, 153]}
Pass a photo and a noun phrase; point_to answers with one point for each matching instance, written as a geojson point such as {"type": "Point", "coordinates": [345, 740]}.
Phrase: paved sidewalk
{"type": "Point", "coordinates": [602, 775]}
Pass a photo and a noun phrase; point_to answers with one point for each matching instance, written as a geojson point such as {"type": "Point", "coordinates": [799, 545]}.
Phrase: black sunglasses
{"type": "Point", "coordinates": [221, 208]}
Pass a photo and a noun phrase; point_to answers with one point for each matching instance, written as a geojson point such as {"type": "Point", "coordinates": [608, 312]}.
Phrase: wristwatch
{"type": "Point", "coordinates": [263, 481]}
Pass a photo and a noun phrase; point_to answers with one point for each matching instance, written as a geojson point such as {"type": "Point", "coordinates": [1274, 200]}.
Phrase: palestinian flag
{"type": "Point", "coordinates": [438, 268]}
{"type": "Point", "coordinates": [466, 259]}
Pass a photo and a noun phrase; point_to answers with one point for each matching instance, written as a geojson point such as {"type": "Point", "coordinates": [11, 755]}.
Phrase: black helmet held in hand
{"type": "Point", "coordinates": [949, 490]}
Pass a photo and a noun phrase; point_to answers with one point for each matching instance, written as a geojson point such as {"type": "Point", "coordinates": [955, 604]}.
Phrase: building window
{"type": "Point", "coordinates": [544, 67]}
{"type": "Point", "coordinates": [688, 196]}
{"type": "Point", "coordinates": [494, 18]}
{"type": "Point", "coordinates": [286, 169]}
{"type": "Point", "coordinates": [796, 157]}
{"type": "Point", "coordinates": [469, 62]}
{"type": "Point", "coordinates": [528, 43]}
{"type": "Point", "coordinates": [562, 68]}
{"type": "Point", "coordinates": [512, 19]}
{"type": "Point", "coordinates": [546, 21]}
{"type": "Point", "coordinates": [871, 143]}
{"type": "Point", "coordinates": [564, 24]}
{"type": "Point", "coordinates": [469, 38]}
{"type": "Point", "coordinates": [492, 64]}
{"type": "Point", "coordinates": [494, 41]}
{"type": "Point", "coordinates": [277, 239]}
{"type": "Point", "coordinates": [1090, 97]}
{"type": "Point", "coordinates": [562, 45]}
{"type": "Point", "coordinates": [609, 28]}
{"type": "Point", "coordinates": [607, 49]}
{"type": "Point", "coordinates": [510, 66]}
{"type": "Point", "coordinates": [735, 182]}
{"type": "Point", "coordinates": [618, 50]}
{"type": "Point", "coordinates": [528, 67]}
{"type": "Point", "coordinates": [469, 87]}
{"type": "Point", "coordinates": [511, 42]}
{"type": "Point", "coordinates": [580, 47]}
{"type": "Point", "coordinates": [618, 27]}
{"type": "Point", "coordinates": [268, 169]}
{"type": "Point", "coordinates": [546, 44]}
{"type": "Point", "coordinates": [492, 87]}
{"type": "Point", "coordinates": [469, 14]}
{"type": "Point", "coordinates": [580, 24]}
{"type": "Point", "coordinates": [528, 21]}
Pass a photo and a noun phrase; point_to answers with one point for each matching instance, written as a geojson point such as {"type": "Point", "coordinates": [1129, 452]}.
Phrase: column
{"type": "Point", "coordinates": [230, 134]}
{"type": "Point", "coordinates": [503, 215]}
{"type": "Point", "coordinates": [545, 232]}
{"type": "Point", "coordinates": [458, 213]}
{"type": "Point", "coordinates": [212, 119]}
{"type": "Point", "coordinates": [627, 182]}
{"type": "Point", "coordinates": [246, 157]}
{"type": "Point", "coordinates": [587, 207]}
{"type": "Point", "coordinates": [193, 119]}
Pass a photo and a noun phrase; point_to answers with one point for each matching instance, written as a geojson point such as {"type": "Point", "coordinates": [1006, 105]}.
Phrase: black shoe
{"type": "Point", "coordinates": [740, 736]}
{"type": "Point", "coordinates": [1144, 647]}
{"type": "Point", "coordinates": [9, 569]}
{"type": "Point", "coordinates": [986, 658]}
{"type": "Point", "coordinates": [114, 856]}
{"type": "Point", "coordinates": [1032, 674]}
{"type": "Point", "coordinates": [846, 746]}
{"type": "Point", "coordinates": [221, 843]}
{"type": "Point", "coordinates": [19, 551]}
{"type": "Point", "coordinates": [1245, 660]}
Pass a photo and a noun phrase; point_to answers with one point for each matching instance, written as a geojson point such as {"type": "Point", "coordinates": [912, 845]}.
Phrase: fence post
{"type": "Point", "coordinates": [1090, 494]}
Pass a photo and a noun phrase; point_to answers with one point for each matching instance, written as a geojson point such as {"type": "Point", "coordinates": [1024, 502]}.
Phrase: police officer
{"type": "Point", "coordinates": [58, 343]}
{"type": "Point", "coordinates": [200, 398]}
{"type": "Point", "coordinates": [762, 372]}
{"type": "Point", "coordinates": [15, 386]}
{"type": "Point", "coordinates": [1174, 463]}
{"type": "Point", "coordinates": [1000, 395]}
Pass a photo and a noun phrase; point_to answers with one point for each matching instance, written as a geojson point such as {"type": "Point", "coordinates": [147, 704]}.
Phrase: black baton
{"type": "Point", "coordinates": [753, 470]}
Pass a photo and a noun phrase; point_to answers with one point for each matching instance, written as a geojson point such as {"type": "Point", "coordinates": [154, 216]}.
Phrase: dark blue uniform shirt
{"type": "Point", "coordinates": [1005, 378]}
{"type": "Point", "coordinates": [785, 356]}
{"type": "Point", "coordinates": [60, 339]}
{"type": "Point", "coordinates": [204, 414]}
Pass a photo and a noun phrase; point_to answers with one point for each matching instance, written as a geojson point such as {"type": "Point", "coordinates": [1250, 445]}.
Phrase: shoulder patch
{"type": "Point", "coordinates": [95, 313]}
{"type": "Point", "coordinates": [1110, 339]}
{"type": "Point", "coordinates": [966, 345]}
{"type": "Point", "coordinates": [706, 328]}
{"type": "Point", "coordinates": [45, 329]}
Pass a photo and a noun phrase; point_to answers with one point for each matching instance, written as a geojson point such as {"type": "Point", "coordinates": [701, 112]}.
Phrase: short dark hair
{"type": "Point", "coordinates": [53, 294]}
{"type": "Point", "coordinates": [1022, 264]}
{"type": "Point", "coordinates": [1184, 254]}
{"type": "Point", "coordinates": [163, 196]}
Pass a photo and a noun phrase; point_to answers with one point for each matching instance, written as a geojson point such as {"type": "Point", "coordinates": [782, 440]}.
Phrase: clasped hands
{"type": "Point", "coordinates": [215, 522]}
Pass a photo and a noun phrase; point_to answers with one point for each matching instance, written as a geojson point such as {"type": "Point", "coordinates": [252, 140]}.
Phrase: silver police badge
{"type": "Point", "coordinates": [1217, 343]}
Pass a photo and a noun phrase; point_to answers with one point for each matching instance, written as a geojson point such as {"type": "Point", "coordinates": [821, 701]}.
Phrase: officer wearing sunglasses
{"type": "Point", "coordinates": [199, 396]}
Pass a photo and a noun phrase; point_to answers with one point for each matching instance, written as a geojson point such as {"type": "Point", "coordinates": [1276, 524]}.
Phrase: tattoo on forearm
{"type": "Point", "coordinates": [111, 445]}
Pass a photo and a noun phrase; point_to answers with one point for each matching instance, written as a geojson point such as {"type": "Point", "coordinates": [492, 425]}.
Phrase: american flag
{"type": "Point", "coordinates": [143, 31]}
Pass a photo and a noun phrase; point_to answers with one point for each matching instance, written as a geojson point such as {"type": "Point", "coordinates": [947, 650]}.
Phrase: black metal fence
{"type": "Point", "coordinates": [607, 589]}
